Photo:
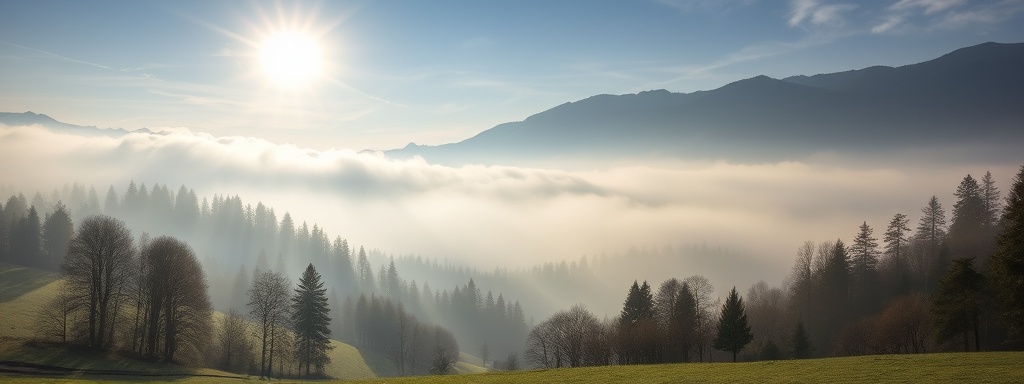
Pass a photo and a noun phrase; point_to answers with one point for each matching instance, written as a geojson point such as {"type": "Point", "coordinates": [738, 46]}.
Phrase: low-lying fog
{"type": "Point", "coordinates": [501, 216]}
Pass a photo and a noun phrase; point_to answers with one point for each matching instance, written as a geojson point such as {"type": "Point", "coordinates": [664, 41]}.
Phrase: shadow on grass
{"type": "Point", "coordinates": [16, 281]}
{"type": "Point", "coordinates": [87, 359]}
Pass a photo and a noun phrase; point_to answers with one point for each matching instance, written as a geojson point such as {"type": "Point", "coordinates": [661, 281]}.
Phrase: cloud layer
{"type": "Point", "coordinates": [501, 216]}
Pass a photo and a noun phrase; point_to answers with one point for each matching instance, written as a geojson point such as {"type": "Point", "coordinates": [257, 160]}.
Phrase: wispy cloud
{"type": "Point", "coordinates": [57, 56]}
{"type": "Point", "coordinates": [815, 13]}
{"type": "Point", "coordinates": [752, 53]}
{"type": "Point", "coordinates": [927, 15]}
{"type": "Point", "coordinates": [927, 6]}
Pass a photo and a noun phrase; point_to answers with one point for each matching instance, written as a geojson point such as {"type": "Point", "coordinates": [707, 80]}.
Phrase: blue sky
{"type": "Point", "coordinates": [440, 71]}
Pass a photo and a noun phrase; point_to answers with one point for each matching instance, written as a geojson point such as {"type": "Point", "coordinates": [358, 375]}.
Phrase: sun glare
{"type": "Point", "coordinates": [290, 59]}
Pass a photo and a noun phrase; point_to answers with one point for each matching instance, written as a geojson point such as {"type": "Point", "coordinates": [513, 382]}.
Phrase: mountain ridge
{"type": "Point", "coordinates": [968, 94]}
{"type": "Point", "coordinates": [32, 118]}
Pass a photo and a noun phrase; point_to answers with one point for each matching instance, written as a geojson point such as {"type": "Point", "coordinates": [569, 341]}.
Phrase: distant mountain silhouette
{"type": "Point", "coordinates": [30, 118]}
{"type": "Point", "coordinates": [973, 95]}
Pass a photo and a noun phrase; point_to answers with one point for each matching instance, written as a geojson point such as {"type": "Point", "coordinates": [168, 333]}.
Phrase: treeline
{"type": "Point", "coordinates": [943, 288]}
{"type": "Point", "coordinates": [378, 322]}
{"type": "Point", "coordinates": [149, 299]}
{"type": "Point", "coordinates": [233, 238]}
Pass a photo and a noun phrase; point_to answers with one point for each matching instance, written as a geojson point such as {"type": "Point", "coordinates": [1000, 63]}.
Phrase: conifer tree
{"type": "Point", "coordinates": [990, 198]}
{"type": "Point", "coordinates": [683, 323]}
{"type": "Point", "coordinates": [931, 229]}
{"type": "Point", "coordinates": [26, 239]}
{"type": "Point", "coordinates": [864, 252]}
{"type": "Point", "coordinates": [896, 240]}
{"type": "Point", "coordinates": [733, 330]}
{"type": "Point", "coordinates": [639, 304]}
{"type": "Point", "coordinates": [800, 344]}
{"type": "Point", "coordinates": [967, 234]}
{"type": "Point", "coordinates": [1007, 266]}
{"type": "Point", "coordinates": [310, 317]}
{"type": "Point", "coordinates": [958, 303]}
{"type": "Point", "coordinates": [57, 232]}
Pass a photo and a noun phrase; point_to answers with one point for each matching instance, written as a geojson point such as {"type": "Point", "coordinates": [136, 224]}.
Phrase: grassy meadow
{"type": "Point", "coordinates": [24, 290]}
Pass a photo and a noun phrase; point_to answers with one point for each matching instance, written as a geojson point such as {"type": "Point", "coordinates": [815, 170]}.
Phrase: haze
{"type": "Point", "coordinates": [378, 76]}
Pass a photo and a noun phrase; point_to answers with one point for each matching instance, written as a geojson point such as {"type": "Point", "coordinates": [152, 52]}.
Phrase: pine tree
{"type": "Point", "coordinates": [1007, 266]}
{"type": "Point", "coordinates": [683, 322]}
{"type": "Point", "coordinates": [896, 240]}
{"type": "Point", "coordinates": [365, 271]}
{"type": "Point", "coordinates": [310, 317]}
{"type": "Point", "coordinates": [57, 232]}
{"type": "Point", "coordinates": [967, 233]}
{"type": "Point", "coordinates": [800, 344]}
{"type": "Point", "coordinates": [26, 240]}
{"type": "Point", "coordinates": [931, 229]}
{"type": "Point", "coordinates": [639, 304]}
{"type": "Point", "coordinates": [958, 303]}
{"type": "Point", "coordinates": [636, 323]}
{"type": "Point", "coordinates": [733, 330]}
{"type": "Point", "coordinates": [864, 252]}
{"type": "Point", "coordinates": [990, 198]}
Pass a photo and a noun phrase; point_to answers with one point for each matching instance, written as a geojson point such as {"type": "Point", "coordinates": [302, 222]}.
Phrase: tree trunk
{"type": "Point", "coordinates": [270, 361]}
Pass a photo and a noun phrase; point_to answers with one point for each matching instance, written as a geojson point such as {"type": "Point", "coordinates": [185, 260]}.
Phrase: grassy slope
{"type": "Point", "coordinates": [469, 364]}
{"type": "Point", "coordinates": [985, 367]}
{"type": "Point", "coordinates": [23, 291]}
{"type": "Point", "coordinates": [929, 368]}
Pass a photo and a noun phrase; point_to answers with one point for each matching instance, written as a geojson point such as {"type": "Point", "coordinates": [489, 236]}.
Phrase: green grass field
{"type": "Point", "coordinates": [995, 367]}
{"type": "Point", "coordinates": [984, 367]}
{"type": "Point", "coordinates": [23, 291]}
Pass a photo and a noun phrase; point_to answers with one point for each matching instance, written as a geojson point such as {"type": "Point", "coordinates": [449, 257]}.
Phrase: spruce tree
{"type": "Point", "coordinates": [57, 232]}
{"type": "Point", "coordinates": [800, 344]}
{"type": "Point", "coordinates": [1007, 266]}
{"type": "Point", "coordinates": [958, 303]}
{"type": "Point", "coordinates": [896, 240]}
{"type": "Point", "coordinates": [683, 323]}
{"type": "Point", "coordinates": [931, 229]}
{"type": "Point", "coordinates": [968, 236]}
{"type": "Point", "coordinates": [733, 330]}
{"type": "Point", "coordinates": [990, 198]}
{"type": "Point", "coordinates": [639, 304]}
{"type": "Point", "coordinates": [864, 252]}
{"type": "Point", "coordinates": [310, 316]}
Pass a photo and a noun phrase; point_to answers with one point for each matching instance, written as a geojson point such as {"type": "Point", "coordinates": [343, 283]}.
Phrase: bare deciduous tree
{"type": "Point", "coordinates": [179, 310]}
{"type": "Point", "coordinates": [98, 266]}
{"type": "Point", "coordinates": [571, 338]}
{"type": "Point", "coordinates": [702, 291]}
{"type": "Point", "coordinates": [268, 304]}
{"type": "Point", "coordinates": [235, 346]}
{"type": "Point", "coordinates": [59, 315]}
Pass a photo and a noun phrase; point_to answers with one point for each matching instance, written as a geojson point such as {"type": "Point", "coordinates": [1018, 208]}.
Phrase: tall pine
{"type": "Point", "coordinates": [683, 324]}
{"type": "Point", "coordinates": [733, 330]}
{"type": "Point", "coordinates": [958, 303]}
{"type": "Point", "coordinates": [864, 252]}
{"type": "Point", "coordinates": [1007, 266]}
{"type": "Point", "coordinates": [896, 240]}
{"type": "Point", "coordinates": [968, 236]}
{"type": "Point", "coordinates": [310, 316]}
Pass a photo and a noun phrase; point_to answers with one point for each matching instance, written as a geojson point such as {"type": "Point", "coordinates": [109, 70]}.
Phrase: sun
{"type": "Point", "coordinates": [291, 59]}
